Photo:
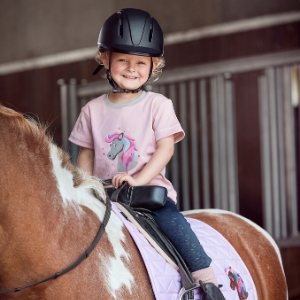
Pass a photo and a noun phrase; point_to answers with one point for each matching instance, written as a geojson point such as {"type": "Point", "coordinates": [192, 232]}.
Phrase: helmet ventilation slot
{"type": "Point", "coordinates": [120, 26]}
{"type": "Point", "coordinates": [151, 30]}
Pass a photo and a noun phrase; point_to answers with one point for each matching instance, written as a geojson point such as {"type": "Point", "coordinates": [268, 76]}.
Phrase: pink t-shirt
{"type": "Point", "coordinates": [124, 136]}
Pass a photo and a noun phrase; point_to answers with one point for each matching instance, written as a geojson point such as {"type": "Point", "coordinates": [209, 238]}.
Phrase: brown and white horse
{"type": "Point", "coordinates": [49, 216]}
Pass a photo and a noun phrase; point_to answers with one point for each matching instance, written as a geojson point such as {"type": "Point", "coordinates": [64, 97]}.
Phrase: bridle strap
{"type": "Point", "coordinates": [78, 261]}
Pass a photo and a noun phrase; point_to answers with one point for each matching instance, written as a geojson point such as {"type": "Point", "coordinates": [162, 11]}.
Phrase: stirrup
{"type": "Point", "coordinates": [207, 288]}
{"type": "Point", "coordinates": [188, 294]}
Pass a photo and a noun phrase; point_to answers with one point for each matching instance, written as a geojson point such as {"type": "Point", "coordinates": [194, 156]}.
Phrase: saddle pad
{"type": "Point", "coordinates": [165, 279]}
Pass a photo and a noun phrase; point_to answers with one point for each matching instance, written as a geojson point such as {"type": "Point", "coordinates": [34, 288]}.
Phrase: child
{"type": "Point", "coordinates": [129, 134]}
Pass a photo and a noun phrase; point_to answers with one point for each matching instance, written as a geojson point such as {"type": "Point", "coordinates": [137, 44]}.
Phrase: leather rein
{"type": "Point", "coordinates": [78, 261]}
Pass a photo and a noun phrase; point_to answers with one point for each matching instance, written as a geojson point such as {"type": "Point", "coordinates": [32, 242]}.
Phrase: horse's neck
{"type": "Point", "coordinates": [36, 221]}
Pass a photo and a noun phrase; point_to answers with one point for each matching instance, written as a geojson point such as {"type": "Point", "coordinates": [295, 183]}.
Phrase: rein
{"type": "Point", "coordinates": [78, 261]}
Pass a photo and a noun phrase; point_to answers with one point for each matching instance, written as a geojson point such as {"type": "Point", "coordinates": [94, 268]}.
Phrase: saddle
{"type": "Point", "coordinates": [133, 209]}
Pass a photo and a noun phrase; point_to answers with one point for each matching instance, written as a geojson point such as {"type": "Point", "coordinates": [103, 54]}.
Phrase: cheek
{"type": "Point", "coordinates": [145, 72]}
{"type": "Point", "coordinates": [115, 70]}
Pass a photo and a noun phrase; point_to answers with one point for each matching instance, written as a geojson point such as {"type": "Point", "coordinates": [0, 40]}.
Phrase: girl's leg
{"type": "Point", "coordinates": [178, 231]}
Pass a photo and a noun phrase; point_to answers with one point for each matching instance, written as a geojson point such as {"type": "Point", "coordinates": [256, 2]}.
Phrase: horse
{"type": "Point", "coordinates": [122, 146]}
{"type": "Point", "coordinates": [51, 211]}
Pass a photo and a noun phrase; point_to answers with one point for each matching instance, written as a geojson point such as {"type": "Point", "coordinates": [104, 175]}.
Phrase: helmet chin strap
{"type": "Point", "coordinates": [115, 86]}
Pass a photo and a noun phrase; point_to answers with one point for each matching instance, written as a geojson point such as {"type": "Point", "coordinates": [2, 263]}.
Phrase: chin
{"type": "Point", "coordinates": [130, 87]}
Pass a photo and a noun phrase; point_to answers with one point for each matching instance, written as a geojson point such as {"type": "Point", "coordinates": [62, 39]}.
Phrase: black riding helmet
{"type": "Point", "coordinates": [131, 31]}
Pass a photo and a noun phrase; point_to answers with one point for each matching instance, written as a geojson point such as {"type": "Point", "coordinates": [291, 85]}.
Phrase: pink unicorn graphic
{"type": "Point", "coordinates": [122, 146]}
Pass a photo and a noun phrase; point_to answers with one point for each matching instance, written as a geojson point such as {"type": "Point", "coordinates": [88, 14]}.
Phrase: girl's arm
{"type": "Point", "coordinates": [160, 158]}
{"type": "Point", "coordinates": [86, 160]}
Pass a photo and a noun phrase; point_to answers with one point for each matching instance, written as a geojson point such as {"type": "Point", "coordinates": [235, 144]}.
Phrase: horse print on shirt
{"type": "Point", "coordinates": [122, 146]}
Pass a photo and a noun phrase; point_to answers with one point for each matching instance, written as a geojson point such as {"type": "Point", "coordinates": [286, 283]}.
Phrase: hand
{"type": "Point", "coordinates": [121, 177]}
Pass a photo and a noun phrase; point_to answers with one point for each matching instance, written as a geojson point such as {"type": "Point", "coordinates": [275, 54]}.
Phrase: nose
{"type": "Point", "coordinates": [130, 67]}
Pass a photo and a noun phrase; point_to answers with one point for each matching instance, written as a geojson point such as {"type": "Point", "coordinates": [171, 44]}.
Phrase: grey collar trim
{"type": "Point", "coordinates": [118, 105]}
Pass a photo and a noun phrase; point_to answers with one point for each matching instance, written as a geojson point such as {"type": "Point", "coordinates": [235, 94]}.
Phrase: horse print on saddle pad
{"type": "Point", "coordinates": [237, 283]}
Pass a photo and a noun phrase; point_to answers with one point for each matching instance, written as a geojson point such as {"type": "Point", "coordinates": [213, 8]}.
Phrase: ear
{"type": "Point", "coordinates": [154, 64]}
{"type": "Point", "coordinates": [105, 59]}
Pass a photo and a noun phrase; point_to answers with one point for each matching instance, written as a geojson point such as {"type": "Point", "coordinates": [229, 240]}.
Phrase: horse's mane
{"type": "Point", "coordinates": [36, 135]}
{"type": "Point", "coordinates": [116, 135]}
{"type": "Point", "coordinates": [13, 118]}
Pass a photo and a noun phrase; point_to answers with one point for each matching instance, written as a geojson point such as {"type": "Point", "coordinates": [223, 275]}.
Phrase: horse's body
{"type": "Point", "coordinates": [49, 217]}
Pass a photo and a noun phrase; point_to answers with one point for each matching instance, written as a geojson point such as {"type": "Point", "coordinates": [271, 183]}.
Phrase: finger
{"type": "Point", "coordinates": [119, 178]}
{"type": "Point", "coordinates": [122, 179]}
{"type": "Point", "coordinates": [115, 181]}
{"type": "Point", "coordinates": [118, 182]}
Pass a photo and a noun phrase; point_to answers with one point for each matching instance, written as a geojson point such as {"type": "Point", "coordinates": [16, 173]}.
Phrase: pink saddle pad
{"type": "Point", "coordinates": [165, 279]}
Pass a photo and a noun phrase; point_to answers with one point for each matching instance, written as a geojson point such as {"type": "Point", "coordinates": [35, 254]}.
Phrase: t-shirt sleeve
{"type": "Point", "coordinates": [81, 134]}
{"type": "Point", "coordinates": [165, 121]}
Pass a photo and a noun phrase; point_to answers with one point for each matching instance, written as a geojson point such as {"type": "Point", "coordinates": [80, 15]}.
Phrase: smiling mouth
{"type": "Point", "coordinates": [129, 77]}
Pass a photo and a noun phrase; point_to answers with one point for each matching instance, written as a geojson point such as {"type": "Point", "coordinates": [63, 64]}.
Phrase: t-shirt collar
{"type": "Point", "coordinates": [118, 105]}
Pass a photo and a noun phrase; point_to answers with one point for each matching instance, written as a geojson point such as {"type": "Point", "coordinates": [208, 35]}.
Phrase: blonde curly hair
{"type": "Point", "coordinates": [155, 72]}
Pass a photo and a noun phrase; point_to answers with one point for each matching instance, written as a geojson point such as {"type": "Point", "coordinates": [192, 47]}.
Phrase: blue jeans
{"type": "Point", "coordinates": [178, 231]}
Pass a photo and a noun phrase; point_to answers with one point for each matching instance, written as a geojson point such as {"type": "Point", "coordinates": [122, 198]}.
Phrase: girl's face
{"type": "Point", "coordinates": [129, 71]}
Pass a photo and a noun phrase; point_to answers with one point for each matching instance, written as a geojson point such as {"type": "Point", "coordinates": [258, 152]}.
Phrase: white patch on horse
{"type": "Point", "coordinates": [117, 276]}
{"type": "Point", "coordinates": [118, 273]}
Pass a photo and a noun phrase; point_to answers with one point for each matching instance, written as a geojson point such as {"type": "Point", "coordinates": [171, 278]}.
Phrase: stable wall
{"type": "Point", "coordinates": [33, 28]}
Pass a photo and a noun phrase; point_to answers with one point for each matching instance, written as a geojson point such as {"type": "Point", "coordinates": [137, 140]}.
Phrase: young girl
{"type": "Point", "coordinates": [129, 134]}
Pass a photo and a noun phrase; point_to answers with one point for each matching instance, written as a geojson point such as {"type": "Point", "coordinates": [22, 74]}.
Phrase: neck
{"type": "Point", "coordinates": [123, 97]}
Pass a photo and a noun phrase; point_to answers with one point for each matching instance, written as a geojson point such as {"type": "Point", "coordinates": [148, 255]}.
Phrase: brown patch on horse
{"type": "Point", "coordinates": [255, 250]}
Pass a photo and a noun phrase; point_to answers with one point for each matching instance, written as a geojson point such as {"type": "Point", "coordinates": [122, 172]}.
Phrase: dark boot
{"type": "Point", "coordinates": [211, 292]}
